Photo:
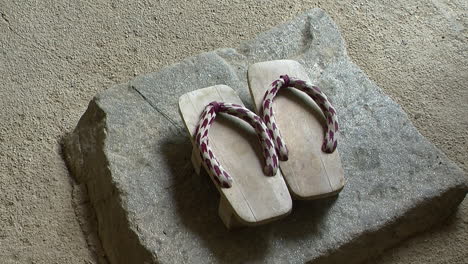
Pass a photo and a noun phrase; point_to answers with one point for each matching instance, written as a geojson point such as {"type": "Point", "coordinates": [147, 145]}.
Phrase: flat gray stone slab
{"type": "Point", "coordinates": [131, 151]}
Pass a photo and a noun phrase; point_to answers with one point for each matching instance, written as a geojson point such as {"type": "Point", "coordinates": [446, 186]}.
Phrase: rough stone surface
{"type": "Point", "coordinates": [132, 153]}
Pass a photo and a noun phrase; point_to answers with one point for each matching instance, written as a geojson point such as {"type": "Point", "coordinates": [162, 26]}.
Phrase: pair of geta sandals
{"type": "Point", "coordinates": [260, 162]}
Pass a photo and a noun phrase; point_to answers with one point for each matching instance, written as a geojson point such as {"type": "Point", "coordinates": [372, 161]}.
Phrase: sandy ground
{"type": "Point", "coordinates": [55, 55]}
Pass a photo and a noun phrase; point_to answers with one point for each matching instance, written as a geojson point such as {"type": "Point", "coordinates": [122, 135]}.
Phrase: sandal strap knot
{"type": "Point", "coordinates": [216, 106]}
{"type": "Point", "coordinates": [285, 79]}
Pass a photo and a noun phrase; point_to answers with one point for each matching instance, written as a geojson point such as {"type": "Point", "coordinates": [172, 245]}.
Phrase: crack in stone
{"type": "Point", "coordinates": [167, 117]}
{"type": "Point", "coordinates": [3, 15]}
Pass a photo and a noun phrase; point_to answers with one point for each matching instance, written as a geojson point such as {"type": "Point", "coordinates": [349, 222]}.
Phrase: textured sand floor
{"type": "Point", "coordinates": [55, 55]}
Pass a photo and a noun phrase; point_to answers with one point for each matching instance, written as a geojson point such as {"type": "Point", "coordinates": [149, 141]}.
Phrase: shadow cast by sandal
{"type": "Point", "coordinates": [197, 199]}
{"type": "Point", "coordinates": [197, 202]}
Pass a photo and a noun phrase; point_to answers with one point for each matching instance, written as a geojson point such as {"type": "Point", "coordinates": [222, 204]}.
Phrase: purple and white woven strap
{"type": "Point", "coordinates": [330, 141]}
{"type": "Point", "coordinates": [201, 138]}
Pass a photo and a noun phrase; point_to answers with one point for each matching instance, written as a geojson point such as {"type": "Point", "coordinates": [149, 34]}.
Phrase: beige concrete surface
{"type": "Point", "coordinates": [55, 55]}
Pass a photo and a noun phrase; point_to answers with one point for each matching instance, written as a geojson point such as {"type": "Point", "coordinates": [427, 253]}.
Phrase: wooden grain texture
{"type": "Point", "coordinates": [309, 172]}
{"type": "Point", "coordinates": [254, 198]}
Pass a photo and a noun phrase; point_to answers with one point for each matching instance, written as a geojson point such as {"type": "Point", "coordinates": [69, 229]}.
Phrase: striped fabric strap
{"type": "Point", "coordinates": [330, 139]}
{"type": "Point", "coordinates": [201, 138]}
